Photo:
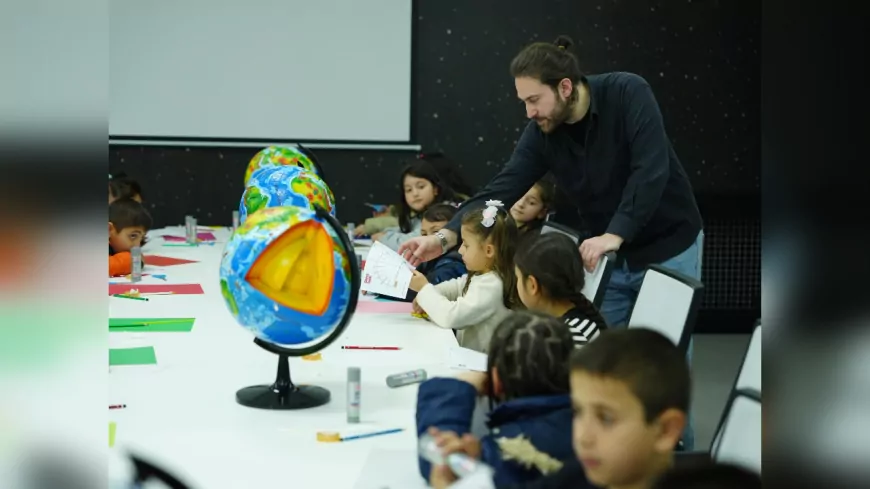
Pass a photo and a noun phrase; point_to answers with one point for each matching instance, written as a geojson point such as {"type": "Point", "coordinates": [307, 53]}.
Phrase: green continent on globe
{"type": "Point", "coordinates": [231, 301]}
{"type": "Point", "coordinates": [254, 200]}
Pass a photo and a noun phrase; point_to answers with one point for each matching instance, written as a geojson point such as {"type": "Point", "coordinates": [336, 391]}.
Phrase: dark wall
{"type": "Point", "coordinates": [701, 57]}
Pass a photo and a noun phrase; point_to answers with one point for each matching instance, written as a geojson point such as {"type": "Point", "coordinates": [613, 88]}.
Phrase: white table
{"type": "Point", "coordinates": [182, 413]}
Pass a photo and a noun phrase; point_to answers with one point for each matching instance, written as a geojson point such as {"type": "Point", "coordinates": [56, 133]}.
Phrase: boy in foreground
{"type": "Point", "coordinates": [630, 392]}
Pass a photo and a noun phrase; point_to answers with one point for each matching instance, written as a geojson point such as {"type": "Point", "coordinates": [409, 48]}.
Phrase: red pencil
{"type": "Point", "coordinates": [117, 406]}
{"type": "Point", "coordinates": [370, 348]}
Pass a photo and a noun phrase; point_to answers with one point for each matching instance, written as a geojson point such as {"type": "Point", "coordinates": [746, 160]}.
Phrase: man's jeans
{"type": "Point", "coordinates": [622, 291]}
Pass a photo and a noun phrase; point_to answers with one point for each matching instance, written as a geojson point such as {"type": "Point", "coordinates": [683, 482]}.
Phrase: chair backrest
{"type": "Point", "coordinates": [739, 431]}
{"type": "Point", "coordinates": [668, 302]}
{"type": "Point", "coordinates": [749, 376]}
{"type": "Point", "coordinates": [593, 281]}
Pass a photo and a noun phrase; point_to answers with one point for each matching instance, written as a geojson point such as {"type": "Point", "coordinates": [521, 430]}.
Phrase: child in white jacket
{"type": "Point", "coordinates": [476, 303]}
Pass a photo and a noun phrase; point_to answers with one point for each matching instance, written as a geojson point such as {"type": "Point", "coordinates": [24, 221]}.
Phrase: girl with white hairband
{"type": "Point", "coordinates": [477, 302]}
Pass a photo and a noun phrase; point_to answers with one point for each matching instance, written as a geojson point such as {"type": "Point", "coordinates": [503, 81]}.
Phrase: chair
{"type": "Point", "coordinates": [593, 281]}
{"type": "Point", "coordinates": [749, 374]}
{"type": "Point", "coordinates": [739, 431]}
{"type": "Point", "coordinates": [668, 302]}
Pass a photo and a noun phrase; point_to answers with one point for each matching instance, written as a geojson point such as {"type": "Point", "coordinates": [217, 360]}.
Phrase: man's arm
{"type": "Point", "coordinates": [525, 167]}
{"type": "Point", "coordinates": [650, 163]}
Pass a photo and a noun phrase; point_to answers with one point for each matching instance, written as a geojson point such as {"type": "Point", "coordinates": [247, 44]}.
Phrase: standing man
{"type": "Point", "coordinates": [603, 138]}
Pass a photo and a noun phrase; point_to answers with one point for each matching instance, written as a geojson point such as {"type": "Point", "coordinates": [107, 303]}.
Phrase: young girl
{"type": "Point", "coordinates": [421, 187]}
{"type": "Point", "coordinates": [527, 380]}
{"type": "Point", "coordinates": [550, 278]}
{"type": "Point", "coordinates": [476, 303]}
{"type": "Point", "coordinates": [530, 211]}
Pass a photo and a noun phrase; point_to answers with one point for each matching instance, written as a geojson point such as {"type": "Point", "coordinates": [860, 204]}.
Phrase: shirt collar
{"type": "Point", "coordinates": [593, 104]}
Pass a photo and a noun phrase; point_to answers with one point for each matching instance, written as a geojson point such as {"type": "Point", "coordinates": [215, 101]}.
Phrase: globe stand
{"type": "Point", "coordinates": [283, 394]}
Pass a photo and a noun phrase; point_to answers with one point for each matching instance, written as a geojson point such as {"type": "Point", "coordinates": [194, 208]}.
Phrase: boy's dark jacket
{"type": "Point", "coordinates": [545, 421]}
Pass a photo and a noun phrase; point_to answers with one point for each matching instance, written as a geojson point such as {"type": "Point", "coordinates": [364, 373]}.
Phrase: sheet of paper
{"type": "Point", "coordinates": [150, 325]}
{"type": "Point", "coordinates": [381, 307]}
{"type": "Point", "coordinates": [390, 469]}
{"type": "Point", "coordinates": [465, 359]}
{"type": "Point", "coordinates": [479, 479]}
{"type": "Point", "coordinates": [156, 288]}
{"type": "Point", "coordinates": [386, 272]}
{"type": "Point", "coordinates": [132, 356]}
{"type": "Point", "coordinates": [164, 261]}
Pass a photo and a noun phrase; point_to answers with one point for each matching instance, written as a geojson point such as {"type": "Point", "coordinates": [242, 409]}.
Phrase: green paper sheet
{"type": "Point", "coordinates": [132, 356]}
{"type": "Point", "coordinates": [112, 427]}
{"type": "Point", "coordinates": [160, 325]}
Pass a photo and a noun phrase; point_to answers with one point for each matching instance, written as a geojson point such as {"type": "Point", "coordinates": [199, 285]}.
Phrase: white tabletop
{"type": "Point", "coordinates": [182, 413]}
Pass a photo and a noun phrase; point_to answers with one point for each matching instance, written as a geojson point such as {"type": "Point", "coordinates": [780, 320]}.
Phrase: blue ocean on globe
{"type": "Point", "coordinates": [288, 185]}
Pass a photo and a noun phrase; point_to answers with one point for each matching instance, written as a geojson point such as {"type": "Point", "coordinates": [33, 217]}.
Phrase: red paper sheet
{"type": "Point", "coordinates": [207, 236]}
{"type": "Point", "coordinates": [150, 288]}
{"type": "Point", "coordinates": [377, 307]}
{"type": "Point", "coordinates": [165, 261]}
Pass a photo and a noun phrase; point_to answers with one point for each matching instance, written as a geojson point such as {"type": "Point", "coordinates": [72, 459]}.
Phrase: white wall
{"type": "Point", "coordinates": [333, 70]}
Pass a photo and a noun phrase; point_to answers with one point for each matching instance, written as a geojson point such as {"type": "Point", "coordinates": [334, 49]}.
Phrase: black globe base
{"type": "Point", "coordinates": [283, 394]}
{"type": "Point", "coordinates": [270, 397]}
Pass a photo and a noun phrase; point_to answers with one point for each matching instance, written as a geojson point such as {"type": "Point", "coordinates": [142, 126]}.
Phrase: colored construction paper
{"type": "Point", "coordinates": [112, 429]}
{"type": "Point", "coordinates": [392, 307]}
{"type": "Point", "coordinates": [151, 288]}
{"type": "Point", "coordinates": [164, 261]}
{"type": "Point", "coordinates": [151, 325]}
{"type": "Point", "coordinates": [206, 236]}
{"type": "Point", "coordinates": [132, 356]}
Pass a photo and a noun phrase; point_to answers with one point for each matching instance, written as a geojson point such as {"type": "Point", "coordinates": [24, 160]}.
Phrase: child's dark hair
{"type": "Point", "coordinates": [449, 172]}
{"type": "Point", "coordinates": [549, 63]}
{"type": "Point", "coordinates": [530, 351]}
{"type": "Point", "coordinates": [424, 170]}
{"type": "Point", "coordinates": [439, 212]}
{"type": "Point", "coordinates": [709, 476]}
{"type": "Point", "coordinates": [504, 237]}
{"type": "Point", "coordinates": [127, 213]}
{"type": "Point", "coordinates": [554, 261]}
{"type": "Point", "coordinates": [654, 369]}
{"type": "Point", "coordinates": [547, 192]}
{"type": "Point", "coordinates": [122, 187]}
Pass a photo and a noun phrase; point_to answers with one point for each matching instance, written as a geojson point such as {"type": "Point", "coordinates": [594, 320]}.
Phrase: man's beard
{"type": "Point", "coordinates": [561, 113]}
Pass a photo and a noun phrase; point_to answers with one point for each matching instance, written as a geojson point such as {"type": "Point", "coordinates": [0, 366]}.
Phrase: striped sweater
{"type": "Point", "coordinates": [583, 329]}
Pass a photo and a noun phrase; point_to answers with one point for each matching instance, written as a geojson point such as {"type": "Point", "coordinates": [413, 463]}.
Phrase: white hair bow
{"type": "Point", "coordinates": [490, 212]}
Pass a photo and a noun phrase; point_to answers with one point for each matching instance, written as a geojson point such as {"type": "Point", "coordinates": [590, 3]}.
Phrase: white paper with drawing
{"type": "Point", "coordinates": [386, 272]}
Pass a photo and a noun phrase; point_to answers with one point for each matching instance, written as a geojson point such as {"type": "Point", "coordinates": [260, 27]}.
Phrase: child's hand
{"type": "Point", "coordinates": [418, 281]}
{"type": "Point", "coordinates": [378, 236]}
{"type": "Point", "coordinates": [441, 476]}
{"type": "Point", "coordinates": [359, 230]}
{"type": "Point", "coordinates": [478, 380]}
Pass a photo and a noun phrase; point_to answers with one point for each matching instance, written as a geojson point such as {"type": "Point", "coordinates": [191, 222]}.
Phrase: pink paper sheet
{"type": "Point", "coordinates": [371, 307]}
{"type": "Point", "coordinates": [208, 236]}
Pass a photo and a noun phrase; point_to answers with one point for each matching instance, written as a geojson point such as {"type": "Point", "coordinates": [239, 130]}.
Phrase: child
{"type": "Point", "coordinates": [123, 187]}
{"type": "Point", "coordinates": [447, 266]}
{"type": "Point", "coordinates": [421, 187]}
{"type": "Point", "coordinates": [630, 392]}
{"type": "Point", "coordinates": [477, 302]}
{"type": "Point", "coordinates": [128, 224]}
{"type": "Point", "coordinates": [529, 212]}
{"type": "Point", "coordinates": [550, 279]}
{"type": "Point", "coordinates": [527, 375]}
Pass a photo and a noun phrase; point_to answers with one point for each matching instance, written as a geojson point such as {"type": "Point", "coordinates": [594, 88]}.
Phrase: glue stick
{"type": "Point", "coordinates": [136, 258]}
{"type": "Point", "coordinates": [353, 394]}
{"type": "Point", "coordinates": [406, 378]}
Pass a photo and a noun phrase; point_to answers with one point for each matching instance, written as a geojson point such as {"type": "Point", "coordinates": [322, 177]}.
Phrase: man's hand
{"type": "Point", "coordinates": [441, 476]}
{"type": "Point", "coordinates": [420, 249]}
{"type": "Point", "coordinates": [418, 281]}
{"type": "Point", "coordinates": [592, 249]}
